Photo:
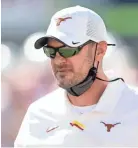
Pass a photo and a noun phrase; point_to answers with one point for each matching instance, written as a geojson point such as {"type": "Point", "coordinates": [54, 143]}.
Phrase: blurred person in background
{"type": "Point", "coordinates": [21, 86]}
{"type": "Point", "coordinates": [121, 63]}
{"type": "Point", "coordinates": [121, 60]}
{"type": "Point", "coordinates": [91, 108]}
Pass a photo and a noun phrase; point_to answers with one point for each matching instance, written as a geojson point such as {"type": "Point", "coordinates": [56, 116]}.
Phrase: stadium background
{"type": "Point", "coordinates": [26, 73]}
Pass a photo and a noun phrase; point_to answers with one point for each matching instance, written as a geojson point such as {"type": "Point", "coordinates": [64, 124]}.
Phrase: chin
{"type": "Point", "coordinates": [66, 81]}
{"type": "Point", "coordinates": [64, 84]}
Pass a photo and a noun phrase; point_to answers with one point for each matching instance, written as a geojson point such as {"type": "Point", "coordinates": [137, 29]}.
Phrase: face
{"type": "Point", "coordinates": [73, 70]}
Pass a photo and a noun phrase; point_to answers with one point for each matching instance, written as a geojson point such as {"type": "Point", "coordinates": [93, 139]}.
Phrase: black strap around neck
{"type": "Point", "coordinates": [110, 80]}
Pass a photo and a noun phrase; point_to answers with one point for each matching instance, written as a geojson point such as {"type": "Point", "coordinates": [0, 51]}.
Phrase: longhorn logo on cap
{"type": "Point", "coordinates": [59, 20]}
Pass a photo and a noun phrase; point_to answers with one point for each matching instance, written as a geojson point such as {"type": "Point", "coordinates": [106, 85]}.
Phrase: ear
{"type": "Point", "coordinates": [101, 50]}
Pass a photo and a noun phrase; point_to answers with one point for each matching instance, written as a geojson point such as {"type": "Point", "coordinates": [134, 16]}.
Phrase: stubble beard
{"type": "Point", "coordinates": [65, 82]}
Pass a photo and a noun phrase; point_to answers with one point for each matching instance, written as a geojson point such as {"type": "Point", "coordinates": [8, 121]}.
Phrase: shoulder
{"type": "Point", "coordinates": [131, 92]}
{"type": "Point", "coordinates": [40, 114]}
{"type": "Point", "coordinates": [134, 89]}
{"type": "Point", "coordinates": [53, 102]}
{"type": "Point", "coordinates": [129, 98]}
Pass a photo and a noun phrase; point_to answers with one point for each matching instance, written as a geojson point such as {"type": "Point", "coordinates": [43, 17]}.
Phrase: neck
{"type": "Point", "coordinates": [92, 95]}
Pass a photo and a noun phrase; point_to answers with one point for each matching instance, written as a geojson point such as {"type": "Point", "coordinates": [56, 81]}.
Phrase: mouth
{"type": "Point", "coordinates": [63, 70]}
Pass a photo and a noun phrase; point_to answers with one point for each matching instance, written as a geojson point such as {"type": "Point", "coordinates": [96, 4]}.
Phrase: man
{"type": "Point", "coordinates": [90, 108]}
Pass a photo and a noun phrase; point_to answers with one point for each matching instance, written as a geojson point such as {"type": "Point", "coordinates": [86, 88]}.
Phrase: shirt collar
{"type": "Point", "coordinates": [109, 98]}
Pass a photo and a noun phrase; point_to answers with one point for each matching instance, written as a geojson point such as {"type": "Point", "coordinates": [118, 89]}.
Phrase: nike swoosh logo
{"type": "Point", "coordinates": [75, 42]}
{"type": "Point", "coordinates": [51, 129]}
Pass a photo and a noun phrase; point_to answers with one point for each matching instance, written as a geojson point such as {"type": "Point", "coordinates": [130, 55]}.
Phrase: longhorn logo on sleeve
{"type": "Point", "coordinates": [109, 126]}
{"type": "Point", "coordinates": [78, 125]}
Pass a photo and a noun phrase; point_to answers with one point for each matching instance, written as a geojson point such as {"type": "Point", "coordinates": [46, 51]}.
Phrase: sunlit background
{"type": "Point", "coordinates": [26, 72]}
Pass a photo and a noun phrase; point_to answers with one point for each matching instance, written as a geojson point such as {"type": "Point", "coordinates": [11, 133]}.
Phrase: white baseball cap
{"type": "Point", "coordinates": [74, 26]}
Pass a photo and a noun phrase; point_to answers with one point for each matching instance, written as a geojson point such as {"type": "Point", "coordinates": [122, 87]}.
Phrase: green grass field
{"type": "Point", "coordinates": [123, 19]}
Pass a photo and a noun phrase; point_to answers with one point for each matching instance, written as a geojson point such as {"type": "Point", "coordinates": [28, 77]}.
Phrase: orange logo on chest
{"type": "Point", "coordinates": [109, 126]}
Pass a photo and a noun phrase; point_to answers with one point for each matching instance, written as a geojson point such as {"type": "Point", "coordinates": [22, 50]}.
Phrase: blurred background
{"type": "Point", "coordinates": [26, 73]}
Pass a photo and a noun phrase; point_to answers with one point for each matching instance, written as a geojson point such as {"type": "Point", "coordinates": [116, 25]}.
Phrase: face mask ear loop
{"type": "Point", "coordinates": [95, 57]}
{"type": "Point", "coordinates": [97, 67]}
{"type": "Point", "coordinates": [95, 54]}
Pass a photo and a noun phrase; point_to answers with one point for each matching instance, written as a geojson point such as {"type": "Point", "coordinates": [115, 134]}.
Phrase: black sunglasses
{"type": "Point", "coordinates": [65, 51]}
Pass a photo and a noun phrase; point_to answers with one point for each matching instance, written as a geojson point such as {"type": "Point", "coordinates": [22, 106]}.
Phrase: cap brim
{"type": "Point", "coordinates": [44, 40]}
{"type": "Point", "coordinates": [67, 39]}
{"type": "Point", "coordinates": [41, 42]}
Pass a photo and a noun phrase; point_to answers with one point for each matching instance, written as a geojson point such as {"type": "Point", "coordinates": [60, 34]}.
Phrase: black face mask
{"type": "Point", "coordinates": [83, 86]}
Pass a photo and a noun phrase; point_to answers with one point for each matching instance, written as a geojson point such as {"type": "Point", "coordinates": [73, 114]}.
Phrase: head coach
{"type": "Point", "coordinates": [89, 108]}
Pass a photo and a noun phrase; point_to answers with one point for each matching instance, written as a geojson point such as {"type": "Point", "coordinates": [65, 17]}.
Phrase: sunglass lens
{"type": "Point", "coordinates": [50, 52]}
{"type": "Point", "coordinates": [68, 52]}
